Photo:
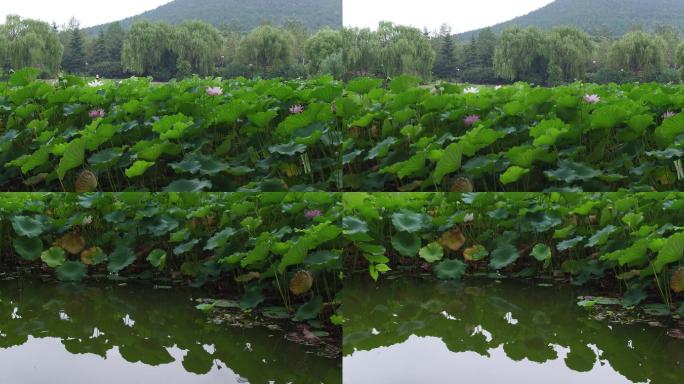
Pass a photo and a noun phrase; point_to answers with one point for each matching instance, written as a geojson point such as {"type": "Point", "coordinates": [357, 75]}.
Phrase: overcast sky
{"type": "Point", "coordinates": [88, 12]}
{"type": "Point", "coordinates": [461, 15]}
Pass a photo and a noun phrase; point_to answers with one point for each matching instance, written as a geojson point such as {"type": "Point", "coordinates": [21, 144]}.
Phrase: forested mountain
{"type": "Point", "coordinates": [245, 14]}
{"type": "Point", "coordinates": [606, 17]}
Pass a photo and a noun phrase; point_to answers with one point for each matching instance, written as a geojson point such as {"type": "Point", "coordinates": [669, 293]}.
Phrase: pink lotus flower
{"type": "Point", "coordinates": [214, 91]}
{"type": "Point", "coordinates": [668, 115]}
{"type": "Point", "coordinates": [470, 120]}
{"type": "Point", "coordinates": [591, 99]}
{"type": "Point", "coordinates": [313, 214]}
{"type": "Point", "coordinates": [95, 113]}
{"type": "Point", "coordinates": [296, 109]}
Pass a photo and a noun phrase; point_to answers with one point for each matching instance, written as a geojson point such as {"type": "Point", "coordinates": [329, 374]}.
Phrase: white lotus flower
{"type": "Point", "coordinates": [472, 90]}
{"type": "Point", "coordinates": [95, 83]}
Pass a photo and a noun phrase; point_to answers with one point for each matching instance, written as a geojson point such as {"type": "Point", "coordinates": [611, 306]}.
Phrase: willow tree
{"type": "Point", "coordinates": [521, 54]}
{"type": "Point", "coordinates": [150, 49]}
{"type": "Point", "coordinates": [200, 45]}
{"type": "Point", "coordinates": [361, 54]}
{"type": "Point", "coordinates": [404, 50]}
{"type": "Point", "coordinates": [321, 49]}
{"type": "Point", "coordinates": [639, 52]}
{"type": "Point", "coordinates": [680, 58]}
{"type": "Point", "coordinates": [267, 48]}
{"type": "Point", "coordinates": [570, 53]}
{"type": "Point", "coordinates": [30, 43]}
{"type": "Point", "coordinates": [300, 33]}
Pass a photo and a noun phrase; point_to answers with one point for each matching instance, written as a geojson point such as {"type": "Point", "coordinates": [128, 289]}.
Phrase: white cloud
{"type": "Point", "coordinates": [461, 15]}
{"type": "Point", "coordinates": [88, 12]}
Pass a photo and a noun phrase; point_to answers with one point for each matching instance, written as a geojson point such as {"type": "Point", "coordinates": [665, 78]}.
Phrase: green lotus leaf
{"type": "Point", "coordinates": [503, 256]}
{"type": "Point", "coordinates": [363, 85]}
{"type": "Point", "coordinates": [252, 297]}
{"type": "Point", "coordinates": [138, 168]}
{"type": "Point", "coordinates": [157, 258]}
{"type": "Point", "coordinates": [408, 221]}
{"type": "Point", "coordinates": [513, 174]}
{"type": "Point", "coordinates": [53, 257]}
{"type": "Point", "coordinates": [450, 269]}
{"type": "Point", "coordinates": [263, 119]}
{"type": "Point", "coordinates": [73, 156]}
{"type": "Point", "coordinates": [571, 172]}
{"type": "Point", "coordinates": [309, 310]}
{"type": "Point", "coordinates": [608, 117]}
{"type": "Point", "coordinates": [381, 149]}
{"type": "Point", "coordinates": [671, 252]}
{"type": "Point", "coordinates": [634, 296]}
{"type": "Point", "coordinates": [185, 247]}
{"type": "Point", "coordinates": [194, 185]}
{"type": "Point", "coordinates": [449, 162]}
{"type": "Point", "coordinates": [219, 239]}
{"type": "Point", "coordinates": [27, 226]}
{"type": "Point", "coordinates": [121, 258]}
{"type": "Point", "coordinates": [432, 252]}
{"type": "Point", "coordinates": [601, 236]}
{"type": "Point", "coordinates": [406, 243]}
{"type": "Point", "coordinates": [322, 258]}
{"type": "Point", "coordinates": [72, 271]}
{"type": "Point", "coordinates": [541, 252]}
{"type": "Point", "coordinates": [29, 248]}
{"type": "Point", "coordinates": [547, 132]}
{"type": "Point", "coordinates": [570, 243]}
{"type": "Point", "coordinates": [353, 225]}
{"type": "Point", "coordinates": [289, 149]}
{"type": "Point", "coordinates": [671, 128]}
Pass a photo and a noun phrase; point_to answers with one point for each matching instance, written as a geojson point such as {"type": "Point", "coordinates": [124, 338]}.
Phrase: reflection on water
{"type": "Point", "coordinates": [409, 330]}
{"type": "Point", "coordinates": [104, 334]}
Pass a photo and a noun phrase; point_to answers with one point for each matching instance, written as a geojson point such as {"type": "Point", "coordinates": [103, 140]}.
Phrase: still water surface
{"type": "Point", "coordinates": [54, 333]}
{"type": "Point", "coordinates": [417, 331]}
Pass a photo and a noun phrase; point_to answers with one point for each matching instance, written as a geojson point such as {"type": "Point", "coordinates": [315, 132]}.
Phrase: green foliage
{"type": "Point", "coordinates": [527, 138]}
{"type": "Point", "coordinates": [203, 237]}
{"type": "Point", "coordinates": [29, 43]}
{"type": "Point", "coordinates": [522, 54]}
{"type": "Point", "coordinates": [174, 136]}
{"type": "Point", "coordinates": [639, 52]}
{"type": "Point", "coordinates": [584, 237]}
{"type": "Point", "coordinates": [267, 48]}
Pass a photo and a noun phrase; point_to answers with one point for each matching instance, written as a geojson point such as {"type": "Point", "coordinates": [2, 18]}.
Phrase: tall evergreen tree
{"type": "Point", "coordinates": [114, 40]}
{"type": "Point", "coordinates": [446, 66]}
{"type": "Point", "coordinates": [100, 52]}
{"type": "Point", "coordinates": [75, 59]}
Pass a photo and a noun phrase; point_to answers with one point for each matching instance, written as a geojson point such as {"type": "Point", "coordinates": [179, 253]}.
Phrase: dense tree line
{"type": "Point", "coordinates": [561, 55]}
{"type": "Point", "coordinates": [165, 51]}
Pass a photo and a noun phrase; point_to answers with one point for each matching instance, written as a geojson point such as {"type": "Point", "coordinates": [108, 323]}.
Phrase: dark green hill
{"type": "Point", "coordinates": [606, 17]}
{"type": "Point", "coordinates": [246, 14]}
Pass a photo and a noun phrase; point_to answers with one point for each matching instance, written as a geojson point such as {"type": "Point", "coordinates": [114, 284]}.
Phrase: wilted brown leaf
{"type": "Point", "coordinates": [453, 239]}
{"type": "Point", "coordinates": [72, 243]}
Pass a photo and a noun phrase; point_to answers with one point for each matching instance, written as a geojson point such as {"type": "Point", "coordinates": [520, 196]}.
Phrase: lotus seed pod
{"type": "Point", "coordinates": [301, 282]}
{"type": "Point", "coordinates": [463, 185]}
{"type": "Point", "coordinates": [86, 182]}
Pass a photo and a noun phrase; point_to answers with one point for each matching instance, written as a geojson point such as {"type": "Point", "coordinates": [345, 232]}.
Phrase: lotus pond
{"type": "Point", "coordinates": [412, 330]}
{"type": "Point", "coordinates": [108, 333]}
